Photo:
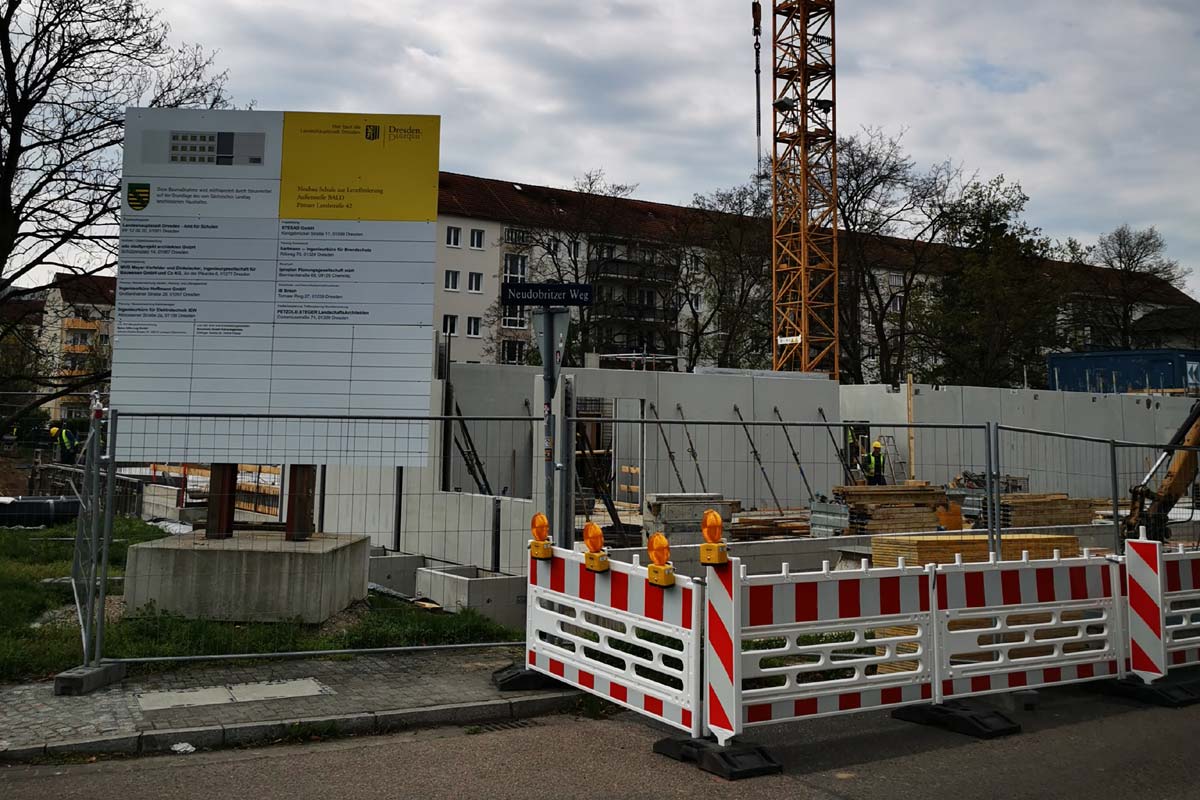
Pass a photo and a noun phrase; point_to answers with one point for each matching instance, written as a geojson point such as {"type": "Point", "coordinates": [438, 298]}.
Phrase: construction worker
{"type": "Point", "coordinates": [873, 465]}
{"type": "Point", "coordinates": [66, 440]}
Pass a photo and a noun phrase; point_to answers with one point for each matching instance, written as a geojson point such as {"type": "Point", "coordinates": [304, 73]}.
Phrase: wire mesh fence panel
{"type": "Point", "coordinates": [266, 524]}
{"type": "Point", "coordinates": [1158, 490]}
{"type": "Point", "coordinates": [767, 477]}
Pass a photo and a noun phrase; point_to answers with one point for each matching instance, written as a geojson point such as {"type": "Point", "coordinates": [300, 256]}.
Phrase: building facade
{"type": "Point", "coordinates": [76, 336]}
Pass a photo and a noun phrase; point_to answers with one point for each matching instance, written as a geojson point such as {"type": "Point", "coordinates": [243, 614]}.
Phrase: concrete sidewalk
{"type": "Point", "coordinates": [215, 705]}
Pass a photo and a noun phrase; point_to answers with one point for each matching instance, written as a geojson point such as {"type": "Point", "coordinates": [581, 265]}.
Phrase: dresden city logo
{"type": "Point", "coordinates": [138, 195]}
{"type": "Point", "coordinates": [371, 132]}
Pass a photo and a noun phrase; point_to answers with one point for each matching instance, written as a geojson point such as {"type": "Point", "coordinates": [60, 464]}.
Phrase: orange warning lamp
{"type": "Point", "coordinates": [539, 528]}
{"type": "Point", "coordinates": [661, 573]}
{"type": "Point", "coordinates": [713, 551]}
{"type": "Point", "coordinates": [595, 559]}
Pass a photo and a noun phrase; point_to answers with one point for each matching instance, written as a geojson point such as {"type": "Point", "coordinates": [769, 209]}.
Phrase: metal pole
{"type": "Point", "coordinates": [495, 534]}
{"type": "Point", "coordinates": [998, 483]}
{"type": "Point", "coordinates": [109, 490]}
{"type": "Point", "coordinates": [547, 398]}
{"type": "Point", "coordinates": [989, 486]}
{"type": "Point", "coordinates": [1116, 498]}
{"type": "Point", "coordinates": [566, 489]}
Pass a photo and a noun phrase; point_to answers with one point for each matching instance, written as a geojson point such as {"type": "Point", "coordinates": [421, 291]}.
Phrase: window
{"type": "Point", "coordinates": [474, 281]}
{"type": "Point", "coordinates": [80, 338]}
{"type": "Point", "coordinates": [453, 236]}
{"type": "Point", "coordinates": [609, 251]}
{"type": "Point", "coordinates": [575, 250]}
{"type": "Point", "coordinates": [104, 338]}
{"type": "Point", "coordinates": [473, 327]}
{"type": "Point", "coordinates": [450, 324]}
{"type": "Point", "coordinates": [646, 297]}
{"type": "Point", "coordinates": [476, 238]}
{"type": "Point", "coordinates": [895, 280]}
{"type": "Point", "coordinates": [514, 272]}
{"type": "Point", "coordinates": [516, 236]}
{"type": "Point", "coordinates": [451, 280]}
{"type": "Point", "coordinates": [512, 352]}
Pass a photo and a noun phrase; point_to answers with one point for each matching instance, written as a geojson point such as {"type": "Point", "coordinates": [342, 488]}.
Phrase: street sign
{"type": "Point", "coordinates": [546, 294]}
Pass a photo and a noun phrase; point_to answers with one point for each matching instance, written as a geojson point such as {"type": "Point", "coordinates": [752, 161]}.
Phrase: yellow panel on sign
{"type": "Point", "coordinates": [359, 167]}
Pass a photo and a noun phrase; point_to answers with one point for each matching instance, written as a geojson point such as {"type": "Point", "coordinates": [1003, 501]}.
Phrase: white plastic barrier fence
{"type": "Point", "coordinates": [617, 636]}
{"type": "Point", "coordinates": [1012, 625]}
{"type": "Point", "coordinates": [814, 644]}
{"type": "Point", "coordinates": [1164, 608]}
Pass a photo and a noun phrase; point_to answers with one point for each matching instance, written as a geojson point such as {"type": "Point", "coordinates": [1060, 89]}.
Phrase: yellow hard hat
{"type": "Point", "coordinates": [876, 444]}
{"type": "Point", "coordinates": [54, 431]}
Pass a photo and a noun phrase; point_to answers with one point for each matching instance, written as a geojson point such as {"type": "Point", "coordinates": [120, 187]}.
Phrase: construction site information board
{"type": "Point", "coordinates": [276, 263]}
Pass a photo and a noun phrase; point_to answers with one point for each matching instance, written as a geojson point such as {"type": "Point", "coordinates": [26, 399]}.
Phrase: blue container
{"type": "Point", "coordinates": [1124, 370]}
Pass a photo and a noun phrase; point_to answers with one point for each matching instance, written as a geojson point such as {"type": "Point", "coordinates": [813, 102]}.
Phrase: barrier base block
{"type": "Point", "coordinates": [1173, 691]}
{"type": "Point", "coordinates": [516, 678]}
{"type": "Point", "coordinates": [733, 762]}
{"type": "Point", "coordinates": [961, 716]}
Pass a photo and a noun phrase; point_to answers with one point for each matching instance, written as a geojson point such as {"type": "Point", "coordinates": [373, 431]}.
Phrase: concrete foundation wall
{"type": "Point", "coordinates": [247, 579]}
{"type": "Point", "coordinates": [1052, 465]}
{"type": "Point", "coordinates": [501, 598]}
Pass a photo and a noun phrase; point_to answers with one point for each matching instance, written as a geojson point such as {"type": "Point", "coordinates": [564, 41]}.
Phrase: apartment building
{"type": "Point", "coordinates": [76, 333]}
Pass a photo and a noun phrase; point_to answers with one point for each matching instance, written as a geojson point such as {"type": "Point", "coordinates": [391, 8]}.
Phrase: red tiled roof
{"type": "Point", "coordinates": [25, 312]}
{"type": "Point", "coordinates": [86, 290]}
{"type": "Point", "coordinates": [542, 206]}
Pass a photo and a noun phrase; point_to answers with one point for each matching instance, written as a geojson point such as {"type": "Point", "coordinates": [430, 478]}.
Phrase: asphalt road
{"type": "Point", "coordinates": [1075, 745]}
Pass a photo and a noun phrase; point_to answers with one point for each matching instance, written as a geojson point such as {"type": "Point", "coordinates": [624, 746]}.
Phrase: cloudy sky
{"type": "Point", "coordinates": [1092, 105]}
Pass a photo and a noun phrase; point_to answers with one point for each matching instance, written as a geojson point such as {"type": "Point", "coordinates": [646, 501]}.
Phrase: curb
{"type": "Point", "coordinates": [216, 737]}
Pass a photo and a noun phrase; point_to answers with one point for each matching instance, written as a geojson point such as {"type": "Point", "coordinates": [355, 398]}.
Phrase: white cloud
{"type": "Point", "coordinates": [1090, 104]}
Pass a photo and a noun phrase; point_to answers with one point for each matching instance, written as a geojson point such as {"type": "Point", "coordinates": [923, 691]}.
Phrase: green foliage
{"type": "Point", "coordinates": [27, 557]}
{"type": "Point", "coordinates": [994, 311]}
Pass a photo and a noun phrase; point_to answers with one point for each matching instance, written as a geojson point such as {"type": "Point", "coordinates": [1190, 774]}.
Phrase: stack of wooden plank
{"type": "Point", "coordinates": [788, 523]}
{"type": "Point", "coordinates": [1040, 510]}
{"type": "Point", "coordinates": [922, 549]}
{"type": "Point", "coordinates": [892, 509]}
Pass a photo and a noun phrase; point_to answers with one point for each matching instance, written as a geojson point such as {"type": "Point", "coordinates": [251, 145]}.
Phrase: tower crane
{"type": "Point", "coordinates": [804, 217]}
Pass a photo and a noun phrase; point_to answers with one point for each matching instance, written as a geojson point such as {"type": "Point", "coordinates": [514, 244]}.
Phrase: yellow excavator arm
{"type": "Point", "coordinates": [1151, 508]}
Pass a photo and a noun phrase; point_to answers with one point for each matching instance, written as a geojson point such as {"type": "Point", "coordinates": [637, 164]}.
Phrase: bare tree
{"type": "Point", "coordinates": [68, 69]}
{"type": "Point", "coordinates": [891, 216]}
{"type": "Point", "coordinates": [1132, 275]}
{"type": "Point", "coordinates": [725, 277]}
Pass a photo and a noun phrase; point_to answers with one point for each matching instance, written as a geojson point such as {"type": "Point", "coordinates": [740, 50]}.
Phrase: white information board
{"type": "Point", "coordinates": [275, 264]}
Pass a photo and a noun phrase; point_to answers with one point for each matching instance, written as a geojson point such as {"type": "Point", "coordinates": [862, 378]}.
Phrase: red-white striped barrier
{"type": "Point", "coordinates": [1023, 624]}
{"type": "Point", "coordinates": [616, 635]}
{"type": "Point", "coordinates": [1144, 571]}
{"type": "Point", "coordinates": [722, 651]}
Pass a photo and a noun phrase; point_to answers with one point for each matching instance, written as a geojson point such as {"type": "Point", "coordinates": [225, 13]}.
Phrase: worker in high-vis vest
{"type": "Point", "coordinates": [873, 465]}
{"type": "Point", "coordinates": [67, 442]}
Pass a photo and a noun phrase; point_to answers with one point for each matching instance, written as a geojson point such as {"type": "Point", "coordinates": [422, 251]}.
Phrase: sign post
{"type": "Point", "coordinates": [550, 324]}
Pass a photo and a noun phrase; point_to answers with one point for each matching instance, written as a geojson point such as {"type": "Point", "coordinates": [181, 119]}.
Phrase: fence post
{"type": "Point", "coordinates": [495, 534]}
{"type": "Point", "coordinates": [566, 482]}
{"type": "Point", "coordinates": [989, 489]}
{"type": "Point", "coordinates": [108, 509]}
{"type": "Point", "coordinates": [1116, 497]}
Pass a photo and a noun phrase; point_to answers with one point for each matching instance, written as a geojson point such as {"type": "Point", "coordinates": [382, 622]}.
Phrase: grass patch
{"type": "Point", "coordinates": [27, 557]}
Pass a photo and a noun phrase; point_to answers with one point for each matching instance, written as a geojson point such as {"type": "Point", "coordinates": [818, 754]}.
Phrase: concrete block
{"type": "Point", "coordinates": [497, 597]}
{"type": "Point", "coordinates": [251, 733]}
{"type": "Point", "coordinates": [25, 752]}
{"type": "Point", "coordinates": [161, 741]}
{"type": "Point", "coordinates": [84, 680]}
{"type": "Point", "coordinates": [455, 714]}
{"type": "Point", "coordinates": [122, 744]}
{"type": "Point", "coordinates": [248, 578]}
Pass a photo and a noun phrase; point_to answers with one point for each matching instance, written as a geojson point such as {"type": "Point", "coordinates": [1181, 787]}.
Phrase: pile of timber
{"type": "Point", "coordinates": [753, 525]}
{"type": "Point", "coordinates": [892, 509]}
{"type": "Point", "coordinates": [1040, 510]}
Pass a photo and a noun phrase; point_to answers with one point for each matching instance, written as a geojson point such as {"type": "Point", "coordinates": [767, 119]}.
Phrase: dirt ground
{"type": "Point", "coordinates": [13, 480]}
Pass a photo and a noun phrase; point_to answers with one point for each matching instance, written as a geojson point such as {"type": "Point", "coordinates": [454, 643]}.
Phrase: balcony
{"type": "Point", "coordinates": [74, 323]}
